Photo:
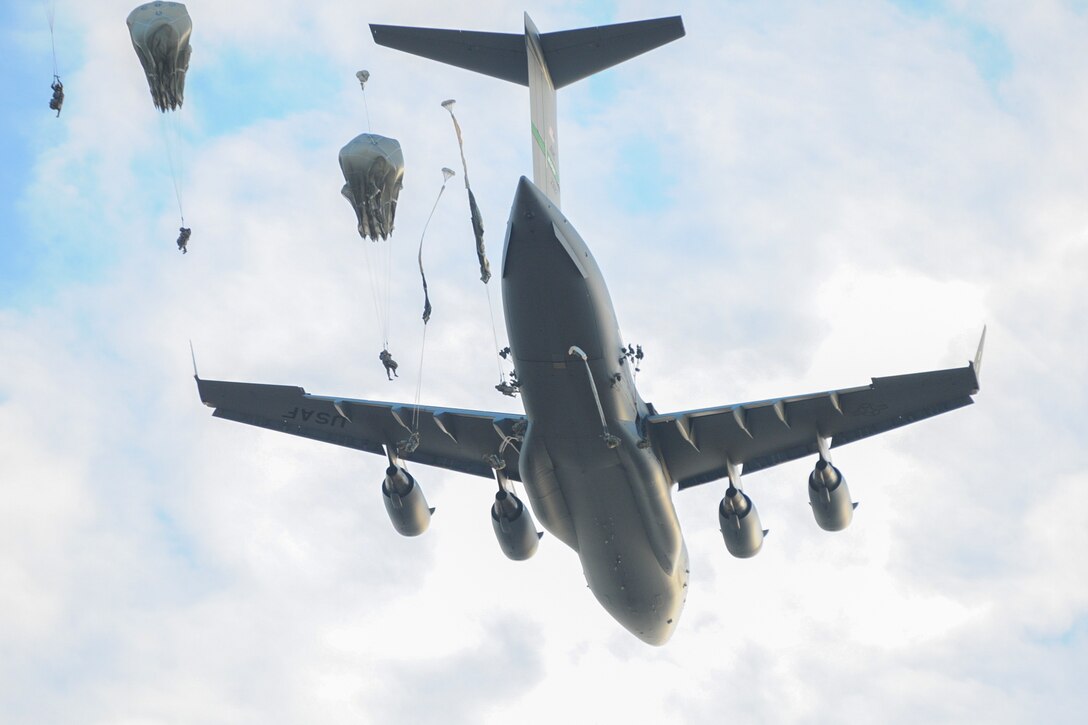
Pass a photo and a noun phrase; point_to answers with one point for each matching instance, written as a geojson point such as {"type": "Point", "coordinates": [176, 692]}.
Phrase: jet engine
{"type": "Point", "coordinates": [739, 523]}
{"type": "Point", "coordinates": [830, 497]}
{"type": "Point", "coordinates": [405, 502]}
{"type": "Point", "coordinates": [514, 527]}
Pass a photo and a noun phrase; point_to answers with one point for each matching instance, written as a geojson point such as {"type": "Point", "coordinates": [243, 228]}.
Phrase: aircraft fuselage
{"type": "Point", "coordinates": [590, 482]}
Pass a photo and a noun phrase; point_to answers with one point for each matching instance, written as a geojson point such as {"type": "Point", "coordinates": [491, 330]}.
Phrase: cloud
{"type": "Point", "coordinates": [837, 192]}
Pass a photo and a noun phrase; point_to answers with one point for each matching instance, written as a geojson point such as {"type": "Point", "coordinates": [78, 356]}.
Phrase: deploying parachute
{"type": "Point", "coordinates": [473, 208]}
{"type": "Point", "coordinates": [447, 174]}
{"type": "Point", "coordinates": [373, 168]}
{"type": "Point", "coordinates": [506, 388]}
{"type": "Point", "coordinates": [160, 34]}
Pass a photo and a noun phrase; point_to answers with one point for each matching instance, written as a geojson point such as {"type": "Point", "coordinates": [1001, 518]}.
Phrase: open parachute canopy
{"type": "Point", "coordinates": [160, 34]}
{"type": "Point", "coordinates": [373, 169]}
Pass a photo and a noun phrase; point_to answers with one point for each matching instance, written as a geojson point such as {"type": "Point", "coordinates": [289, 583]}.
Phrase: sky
{"type": "Point", "coordinates": [794, 197]}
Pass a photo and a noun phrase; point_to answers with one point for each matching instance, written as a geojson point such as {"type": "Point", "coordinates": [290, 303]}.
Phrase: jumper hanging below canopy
{"type": "Point", "coordinates": [373, 168]}
{"type": "Point", "coordinates": [160, 34]}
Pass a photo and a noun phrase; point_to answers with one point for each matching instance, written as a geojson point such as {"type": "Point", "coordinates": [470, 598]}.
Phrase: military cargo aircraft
{"type": "Point", "coordinates": [597, 462]}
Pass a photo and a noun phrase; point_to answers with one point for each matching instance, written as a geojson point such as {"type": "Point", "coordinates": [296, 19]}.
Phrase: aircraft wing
{"type": "Point", "coordinates": [459, 440]}
{"type": "Point", "coordinates": [696, 444]}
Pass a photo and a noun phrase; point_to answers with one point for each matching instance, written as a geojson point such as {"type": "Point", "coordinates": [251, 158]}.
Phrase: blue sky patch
{"type": "Point", "coordinates": [987, 50]}
{"type": "Point", "coordinates": [174, 539]}
{"type": "Point", "coordinates": [643, 180]}
{"type": "Point", "coordinates": [273, 87]}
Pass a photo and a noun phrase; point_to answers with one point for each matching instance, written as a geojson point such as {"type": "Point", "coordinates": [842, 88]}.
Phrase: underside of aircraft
{"type": "Point", "coordinates": [598, 463]}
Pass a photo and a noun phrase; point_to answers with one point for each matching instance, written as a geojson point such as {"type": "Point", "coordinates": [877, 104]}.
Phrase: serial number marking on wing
{"type": "Point", "coordinates": [869, 409]}
{"type": "Point", "coordinates": [318, 417]}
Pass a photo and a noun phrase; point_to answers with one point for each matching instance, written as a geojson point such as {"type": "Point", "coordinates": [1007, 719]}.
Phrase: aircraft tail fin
{"type": "Point", "coordinates": [571, 55]}
{"type": "Point", "coordinates": [543, 61]}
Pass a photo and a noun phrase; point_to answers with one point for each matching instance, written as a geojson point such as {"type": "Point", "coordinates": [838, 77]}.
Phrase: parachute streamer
{"type": "Point", "coordinates": [474, 209]}
{"type": "Point", "coordinates": [413, 439]}
{"type": "Point", "coordinates": [447, 174]}
{"type": "Point", "coordinates": [160, 35]}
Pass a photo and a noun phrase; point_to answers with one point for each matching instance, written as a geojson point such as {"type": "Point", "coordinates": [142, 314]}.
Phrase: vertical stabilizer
{"type": "Point", "coordinates": [542, 116]}
{"type": "Point", "coordinates": [542, 61]}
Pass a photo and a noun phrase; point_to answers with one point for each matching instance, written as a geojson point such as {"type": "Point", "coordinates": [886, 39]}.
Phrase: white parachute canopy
{"type": "Point", "coordinates": [373, 168]}
{"type": "Point", "coordinates": [160, 34]}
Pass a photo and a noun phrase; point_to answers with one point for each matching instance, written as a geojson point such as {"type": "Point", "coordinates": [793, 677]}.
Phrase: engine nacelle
{"type": "Point", "coordinates": [405, 503]}
{"type": "Point", "coordinates": [514, 527]}
{"type": "Point", "coordinates": [830, 498]}
{"type": "Point", "coordinates": [740, 524]}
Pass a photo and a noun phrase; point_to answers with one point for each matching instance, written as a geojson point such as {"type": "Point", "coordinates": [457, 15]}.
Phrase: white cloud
{"type": "Point", "coordinates": [846, 196]}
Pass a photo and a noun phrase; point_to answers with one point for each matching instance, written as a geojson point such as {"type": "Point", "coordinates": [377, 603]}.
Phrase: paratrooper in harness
{"type": "Point", "coordinates": [390, 364]}
{"type": "Point", "coordinates": [57, 100]}
{"type": "Point", "coordinates": [183, 239]}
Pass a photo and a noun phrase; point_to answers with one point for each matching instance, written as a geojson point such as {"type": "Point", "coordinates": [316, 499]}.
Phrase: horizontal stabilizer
{"type": "Point", "coordinates": [500, 55]}
{"type": "Point", "coordinates": [576, 54]}
{"type": "Point", "coordinates": [571, 55]}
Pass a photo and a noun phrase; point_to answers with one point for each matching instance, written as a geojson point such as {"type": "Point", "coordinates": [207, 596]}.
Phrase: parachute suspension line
{"type": "Point", "coordinates": [373, 259]}
{"type": "Point", "coordinates": [387, 281]}
{"type": "Point", "coordinates": [51, 15]}
{"type": "Point", "coordinates": [169, 138]}
{"type": "Point", "coordinates": [178, 161]}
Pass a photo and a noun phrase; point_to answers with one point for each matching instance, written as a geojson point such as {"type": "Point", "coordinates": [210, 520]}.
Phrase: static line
{"type": "Point", "coordinates": [494, 334]}
{"type": "Point", "coordinates": [419, 381]}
